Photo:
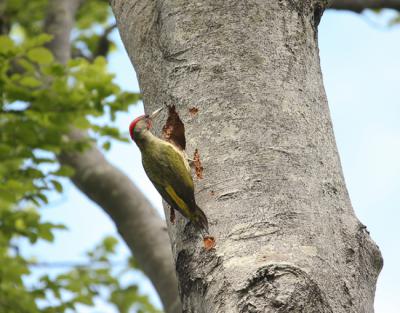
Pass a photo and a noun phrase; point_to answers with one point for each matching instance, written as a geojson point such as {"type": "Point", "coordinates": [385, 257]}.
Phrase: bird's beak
{"type": "Point", "coordinates": [155, 113]}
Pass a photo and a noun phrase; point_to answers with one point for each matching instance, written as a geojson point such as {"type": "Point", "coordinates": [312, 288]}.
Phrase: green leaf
{"type": "Point", "coordinates": [6, 44]}
{"type": "Point", "coordinates": [84, 299]}
{"type": "Point", "coordinates": [57, 185]}
{"type": "Point", "coordinates": [7, 196]}
{"type": "Point", "coordinates": [107, 145]}
{"type": "Point", "coordinates": [81, 94]}
{"type": "Point", "coordinates": [46, 235]}
{"type": "Point", "coordinates": [110, 243]}
{"type": "Point", "coordinates": [65, 171]}
{"type": "Point", "coordinates": [54, 69]}
{"type": "Point", "coordinates": [30, 81]}
{"type": "Point", "coordinates": [38, 40]}
{"type": "Point", "coordinates": [33, 237]}
{"type": "Point", "coordinates": [27, 65]}
{"type": "Point", "coordinates": [42, 197]}
{"type": "Point", "coordinates": [45, 232]}
{"type": "Point", "coordinates": [20, 224]}
{"type": "Point", "coordinates": [82, 122]}
{"type": "Point", "coordinates": [40, 55]}
{"type": "Point", "coordinates": [43, 160]}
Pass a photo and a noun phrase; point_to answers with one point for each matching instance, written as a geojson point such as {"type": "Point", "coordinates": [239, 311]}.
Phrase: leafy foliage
{"type": "Point", "coordinates": [41, 100]}
{"type": "Point", "coordinates": [386, 18]}
{"type": "Point", "coordinates": [84, 283]}
{"type": "Point", "coordinates": [395, 20]}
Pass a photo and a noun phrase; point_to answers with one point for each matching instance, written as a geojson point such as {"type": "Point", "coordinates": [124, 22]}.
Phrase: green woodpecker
{"type": "Point", "coordinates": [168, 170]}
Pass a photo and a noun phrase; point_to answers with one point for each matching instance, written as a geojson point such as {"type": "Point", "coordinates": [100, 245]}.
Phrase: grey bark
{"type": "Point", "coordinates": [60, 20]}
{"type": "Point", "coordinates": [136, 220]}
{"type": "Point", "coordinates": [360, 5]}
{"type": "Point", "coordinates": [273, 189]}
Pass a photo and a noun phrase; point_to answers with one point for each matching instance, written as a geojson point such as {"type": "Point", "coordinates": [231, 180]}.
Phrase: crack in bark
{"type": "Point", "coordinates": [173, 57]}
{"type": "Point", "coordinates": [282, 288]}
{"type": "Point", "coordinates": [253, 230]}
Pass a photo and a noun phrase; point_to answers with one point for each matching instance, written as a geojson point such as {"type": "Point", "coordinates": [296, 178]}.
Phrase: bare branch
{"type": "Point", "coordinates": [103, 45]}
{"type": "Point", "coordinates": [360, 5]}
{"type": "Point", "coordinates": [15, 112]}
{"type": "Point", "coordinates": [5, 24]}
{"type": "Point", "coordinates": [102, 49]}
{"type": "Point", "coordinates": [136, 220]}
{"type": "Point", "coordinates": [74, 264]}
{"type": "Point", "coordinates": [59, 22]}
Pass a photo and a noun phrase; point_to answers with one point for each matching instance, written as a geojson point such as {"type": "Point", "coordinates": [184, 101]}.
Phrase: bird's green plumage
{"type": "Point", "coordinates": [168, 170]}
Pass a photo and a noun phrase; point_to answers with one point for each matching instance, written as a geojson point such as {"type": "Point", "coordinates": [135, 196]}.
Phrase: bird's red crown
{"type": "Point", "coordinates": [135, 121]}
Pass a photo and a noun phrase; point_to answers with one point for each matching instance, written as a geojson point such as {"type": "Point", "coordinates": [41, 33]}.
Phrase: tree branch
{"type": "Point", "coordinates": [5, 24]}
{"type": "Point", "coordinates": [136, 220]}
{"type": "Point", "coordinates": [360, 5]}
{"type": "Point", "coordinates": [102, 49]}
{"type": "Point", "coordinates": [71, 264]}
{"type": "Point", "coordinates": [59, 22]}
{"type": "Point", "coordinates": [15, 112]}
{"type": "Point", "coordinates": [104, 43]}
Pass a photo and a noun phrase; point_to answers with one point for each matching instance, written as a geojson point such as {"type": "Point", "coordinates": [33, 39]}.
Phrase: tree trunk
{"type": "Point", "coordinates": [273, 188]}
{"type": "Point", "coordinates": [360, 5]}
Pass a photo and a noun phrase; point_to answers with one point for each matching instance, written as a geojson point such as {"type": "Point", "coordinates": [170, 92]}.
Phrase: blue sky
{"type": "Point", "coordinates": [361, 67]}
{"type": "Point", "coordinates": [360, 63]}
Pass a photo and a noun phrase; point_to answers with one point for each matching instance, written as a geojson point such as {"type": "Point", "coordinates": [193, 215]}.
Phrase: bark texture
{"type": "Point", "coordinates": [136, 220]}
{"type": "Point", "coordinates": [360, 5]}
{"type": "Point", "coordinates": [273, 189]}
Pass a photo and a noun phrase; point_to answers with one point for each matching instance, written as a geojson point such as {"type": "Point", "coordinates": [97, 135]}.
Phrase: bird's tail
{"type": "Point", "coordinates": [200, 219]}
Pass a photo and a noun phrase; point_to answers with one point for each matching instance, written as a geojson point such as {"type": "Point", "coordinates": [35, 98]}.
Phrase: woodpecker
{"type": "Point", "coordinates": [168, 170]}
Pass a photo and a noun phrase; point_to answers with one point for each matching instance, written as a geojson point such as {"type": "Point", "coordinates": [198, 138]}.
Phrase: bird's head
{"type": "Point", "coordinates": [142, 124]}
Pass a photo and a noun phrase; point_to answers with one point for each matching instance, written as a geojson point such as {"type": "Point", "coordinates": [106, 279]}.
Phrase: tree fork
{"type": "Point", "coordinates": [273, 188]}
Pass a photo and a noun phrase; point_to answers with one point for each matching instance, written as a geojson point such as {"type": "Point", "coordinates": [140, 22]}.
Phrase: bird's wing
{"type": "Point", "coordinates": [166, 168]}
